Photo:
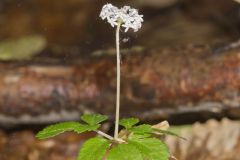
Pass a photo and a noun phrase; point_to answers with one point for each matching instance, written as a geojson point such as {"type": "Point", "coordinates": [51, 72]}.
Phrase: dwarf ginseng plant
{"type": "Point", "coordinates": [134, 142]}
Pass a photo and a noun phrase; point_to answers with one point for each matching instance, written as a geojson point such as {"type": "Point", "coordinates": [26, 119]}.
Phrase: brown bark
{"type": "Point", "coordinates": [156, 84]}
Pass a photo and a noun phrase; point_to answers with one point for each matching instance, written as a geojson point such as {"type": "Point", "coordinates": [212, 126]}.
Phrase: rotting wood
{"type": "Point", "coordinates": [157, 84]}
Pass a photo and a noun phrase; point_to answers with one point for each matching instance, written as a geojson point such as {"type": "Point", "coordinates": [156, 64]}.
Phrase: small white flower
{"type": "Point", "coordinates": [128, 16]}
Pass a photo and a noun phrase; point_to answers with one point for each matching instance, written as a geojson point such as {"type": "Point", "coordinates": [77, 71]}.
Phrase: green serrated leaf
{"type": "Point", "coordinates": [139, 136]}
{"type": "Point", "coordinates": [59, 128]}
{"type": "Point", "coordinates": [128, 122]}
{"type": "Point", "coordinates": [124, 152]}
{"type": "Point", "coordinates": [93, 119]}
{"type": "Point", "coordinates": [94, 149]}
{"type": "Point", "coordinates": [93, 127]}
{"type": "Point", "coordinates": [151, 148]}
{"type": "Point", "coordinates": [168, 133]}
{"type": "Point", "coordinates": [142, 129]}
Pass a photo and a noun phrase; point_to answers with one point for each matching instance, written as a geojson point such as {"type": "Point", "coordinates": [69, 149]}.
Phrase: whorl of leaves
{"type": "Point", "coordinates": [140, 143]}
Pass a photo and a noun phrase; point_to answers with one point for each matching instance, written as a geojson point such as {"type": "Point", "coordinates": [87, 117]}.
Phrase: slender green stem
{"type": "Point", "coordinates": [118, 83]}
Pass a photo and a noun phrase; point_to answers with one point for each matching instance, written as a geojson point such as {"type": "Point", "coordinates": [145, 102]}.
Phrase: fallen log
{"type": "Point", "coordinates": [189, 81]}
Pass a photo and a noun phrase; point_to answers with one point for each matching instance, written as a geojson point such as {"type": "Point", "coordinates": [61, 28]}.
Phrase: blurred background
{"type": "Point", "coordinates": [57, 61]}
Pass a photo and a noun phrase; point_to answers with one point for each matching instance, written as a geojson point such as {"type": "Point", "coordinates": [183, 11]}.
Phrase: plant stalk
{"type": "Point", "coordinates": [105, 135]}
{"type": "Point", "coordinates": [118, 83]}
{"type": "Point", "coordinates": [119, 140]}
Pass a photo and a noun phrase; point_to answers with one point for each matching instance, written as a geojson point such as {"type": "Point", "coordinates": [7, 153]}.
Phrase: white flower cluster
{"type": "Point", "coordinates": [128, 16]}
